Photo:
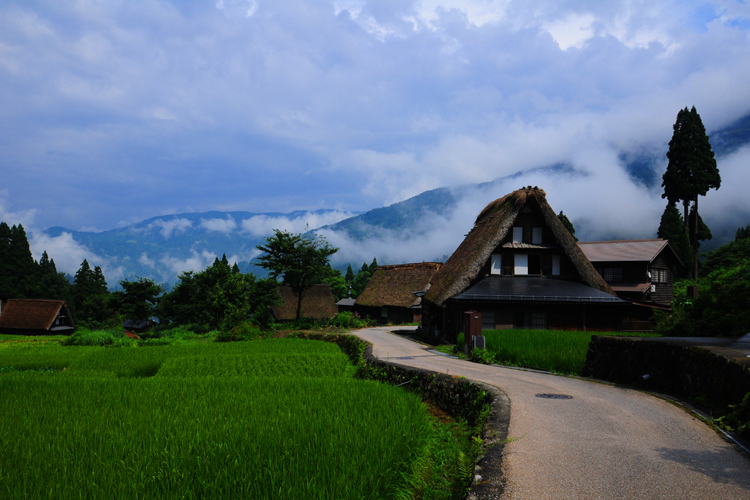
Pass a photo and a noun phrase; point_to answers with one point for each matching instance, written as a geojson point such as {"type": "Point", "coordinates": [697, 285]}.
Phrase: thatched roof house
{"type": "Point", "coordinates": [520, 268]}
{"type": "Point", "coordinates": [390, 294]}
{"type": "Point", "coordinates": [36, 317]}
{"type": "Point", "coordinates": [317, 303]}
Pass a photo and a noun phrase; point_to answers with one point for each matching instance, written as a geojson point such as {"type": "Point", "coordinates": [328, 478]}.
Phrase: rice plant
{"type": "Point", "coordinates": [266, 419]}
{"type": "Point", "coordinates": [560, 351]}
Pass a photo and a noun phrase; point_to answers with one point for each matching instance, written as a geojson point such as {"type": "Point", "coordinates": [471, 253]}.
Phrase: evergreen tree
{"type": "Point", "coordinates": [568, 225]}
{"type": "Point", "coordinates": [691, 171]}
{"type": "Point", "coordinates": [349, 278]}
{"type": "Point", "coordinates": [373, 265]}
{"type": "Point", "coordinates": [743, 233]}
{"type": "Point", "coordinates": [7, 285]}
{"type": "Point", "coordinates": [672, 228]}
{"type": "Point", "coordinates": [21, 265]}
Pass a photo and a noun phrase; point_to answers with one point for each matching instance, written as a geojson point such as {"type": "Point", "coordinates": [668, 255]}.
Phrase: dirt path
{"type": "Point", "coordinates": [604, 442]}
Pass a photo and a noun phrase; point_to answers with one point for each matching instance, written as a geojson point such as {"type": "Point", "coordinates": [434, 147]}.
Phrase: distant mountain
{"type": "Point", "coordinates": [162, 247]}
{"type": "Point", "coordinates": [406, 215]}
{"type": "Point", "coordinates": [415, 229]}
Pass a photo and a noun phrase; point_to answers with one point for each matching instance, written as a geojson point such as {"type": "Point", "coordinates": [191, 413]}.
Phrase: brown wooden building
{"type": "Point", "coordinates": [637, 270]}
{"type": "Point", "coordinates": [317, 303]}
{"type": "Point", "coordinates": [36, 317]}
{"type": "Point", "coordinates": [520, 268]}
{"type": "Point", "coordinates": [389, 296]}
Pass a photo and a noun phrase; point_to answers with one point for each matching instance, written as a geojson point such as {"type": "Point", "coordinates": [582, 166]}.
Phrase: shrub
{"type": "Point", "coordinates": [93, 337]}
{"type": "Point", "coordinates": [243, 331]}
{"type": "Point", "coordinates": [482, 356]}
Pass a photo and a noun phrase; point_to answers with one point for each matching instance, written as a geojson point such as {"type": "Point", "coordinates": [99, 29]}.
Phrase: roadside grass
{"type": "Point", "coordinates": [277, 418]}
{"type": "Point", "coordinates": [559, 351]}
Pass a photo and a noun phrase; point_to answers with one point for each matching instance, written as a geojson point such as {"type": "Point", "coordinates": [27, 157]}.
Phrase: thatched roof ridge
{"type": "Point", "coordinates": [30, 314]}
{"type": "Point", "coordinates": [317, 303]}
{"type": "Point", "coordinates": [490, 229]}
{"type": "Point", "coordinates": [394, 285]}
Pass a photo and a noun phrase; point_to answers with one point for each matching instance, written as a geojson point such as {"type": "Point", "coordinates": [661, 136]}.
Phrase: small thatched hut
{"type": "Point", "coordinates": [389, 296]}
{"type": "Point", "coordinates": [36, 317]}
{"type": "Point", "coordinates": [520, 268]}
{"type": "Point", "coordinates": [317, 303]}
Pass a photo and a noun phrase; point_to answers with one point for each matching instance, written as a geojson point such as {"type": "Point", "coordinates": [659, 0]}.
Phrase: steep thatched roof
{"type": "Point", "coordinates": [317, 303]}
{"type": "Point", "coordinates": [32, 314]}
{"type": "Point", "coordinates": [490, 229]}
{"type": "Point", "coordinates": [394, 285]}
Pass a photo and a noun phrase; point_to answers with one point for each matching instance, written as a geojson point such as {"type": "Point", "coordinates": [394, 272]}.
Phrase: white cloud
{"type": "Point", "coordinates": [263, 225]}
{"type": "Point", "coordinates": [572, 31]}
{"type": "Point", "coordinates": [196, 262]}
{"type": "Point", "coordinates": [68, 255]}
{"type": "Point", "coordinates": [169, 227]}
{"type": "Point", "coordinates": [225, 226]}
{"type": "Point", "coordinates": [146, 261]}
{"type": "Point", "coordinates": [23, 217]}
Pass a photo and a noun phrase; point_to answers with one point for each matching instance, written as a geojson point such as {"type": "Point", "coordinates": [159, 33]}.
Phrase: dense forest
{"type": "Point", "coordinates": [217, 297]}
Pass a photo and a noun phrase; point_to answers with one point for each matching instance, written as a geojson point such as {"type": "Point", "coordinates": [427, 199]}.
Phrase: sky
{"type": "Point", "coordinates": [112, 112]}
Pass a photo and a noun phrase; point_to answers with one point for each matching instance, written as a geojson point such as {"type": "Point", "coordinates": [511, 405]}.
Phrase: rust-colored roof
{"type": "Point", "coordinates": [632, 288]}
{"type": "Point", "coordinates": [317, 303]}
{"type": "Point", "coordinates": [625, 250]}
{"type": "Point", "coordinates": [490, 229]}
{"type": "Point", "coordinates": [395, 285]}
{"type": "Point", "coordinates": [30, 314]}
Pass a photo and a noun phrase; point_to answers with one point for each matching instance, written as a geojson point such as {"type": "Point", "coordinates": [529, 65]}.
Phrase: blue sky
{"type": "Point", "coordinates": [116, 111]}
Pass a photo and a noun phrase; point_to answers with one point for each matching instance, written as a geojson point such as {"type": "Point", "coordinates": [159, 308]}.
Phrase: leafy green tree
{"type": "Point", "coordinates": [691, 171]}
{"type": "Point", "coordinates": [333, 278]}
{"type": "Point", "coordinates": [672, 228]}
{"type": "Point", "coordinates": [138, 298]}
{"type": "Point", "coordinates": [218, 297]}
{"type": "Point", "coordinates": [300, 259]}
{"type": "Point", "coordinates": [568, 225]}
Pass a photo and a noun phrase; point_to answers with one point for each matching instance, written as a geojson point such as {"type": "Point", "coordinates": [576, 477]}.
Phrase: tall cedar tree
{"type": "Point", "coordinates": [568, 225]}
{"type": "Point", "coordinates": [300, 259]}
{"type": "Point", "coordinates": [691, 171]}
{"type": "Point", "coordinates": [672, 228]}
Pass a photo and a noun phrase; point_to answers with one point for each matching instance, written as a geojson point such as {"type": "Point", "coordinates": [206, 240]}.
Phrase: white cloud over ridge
{"type": "Point", "coordinates": [264, 225]}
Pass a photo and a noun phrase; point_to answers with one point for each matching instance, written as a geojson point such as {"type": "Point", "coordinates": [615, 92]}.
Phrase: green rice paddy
{"type": "Point", "coordinates": [560, 351]}
{"type": "Point", "coordinates": [281, 419]}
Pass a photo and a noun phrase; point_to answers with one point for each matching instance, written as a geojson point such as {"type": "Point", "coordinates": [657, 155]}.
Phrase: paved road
{"type": "Point", "coordinates": [604, 443]}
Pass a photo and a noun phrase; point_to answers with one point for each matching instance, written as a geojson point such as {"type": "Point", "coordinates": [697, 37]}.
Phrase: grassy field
{"type": "Point", "coordinates": [560, 351]}
{"type": "Point", "coordinates": [280, 418]}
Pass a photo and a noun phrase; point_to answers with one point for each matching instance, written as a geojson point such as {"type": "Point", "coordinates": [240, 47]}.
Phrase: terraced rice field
{"type": "Point", "coordinates": [265, 419]}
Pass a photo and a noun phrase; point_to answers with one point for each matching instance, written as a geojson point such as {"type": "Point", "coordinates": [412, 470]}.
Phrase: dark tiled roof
{"type": "Point", "coordinates": [395, 285]}
{"type": "Point", "coordinates": [30, 314]}
{"type": "Point", "coordinates": [317, 303]}
{"type": "Point", "coordinates": [623, 250]}
{"type": "Point", "coordinates": [534, 289]}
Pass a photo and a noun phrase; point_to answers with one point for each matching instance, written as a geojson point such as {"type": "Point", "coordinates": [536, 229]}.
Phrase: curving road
{"type": "Point", "coordinates": [603, 443]}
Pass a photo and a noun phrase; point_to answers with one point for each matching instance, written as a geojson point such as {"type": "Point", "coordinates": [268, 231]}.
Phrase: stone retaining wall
{"type": "Point", "coordinates": [686, 371]}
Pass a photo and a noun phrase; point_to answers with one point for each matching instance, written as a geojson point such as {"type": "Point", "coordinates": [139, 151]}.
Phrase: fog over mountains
{"type": "Point", "coordinates": [621, 201]}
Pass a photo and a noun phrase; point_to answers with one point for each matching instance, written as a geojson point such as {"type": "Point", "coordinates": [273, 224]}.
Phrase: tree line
{"type": "Point", "coordinates": [217, 297]}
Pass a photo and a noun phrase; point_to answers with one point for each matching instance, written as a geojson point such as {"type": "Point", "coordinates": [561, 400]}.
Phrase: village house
{"type": "Point", "coordinates": [317, 303]}
{"type": "Point", "coordinates": [520, 268]}
{"type": "Point", "coordinates": [389, 296]}
{"type": "Point", "coordinates": [637, 270]}
{"type": "Point", "coordinates": [36, 317]}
